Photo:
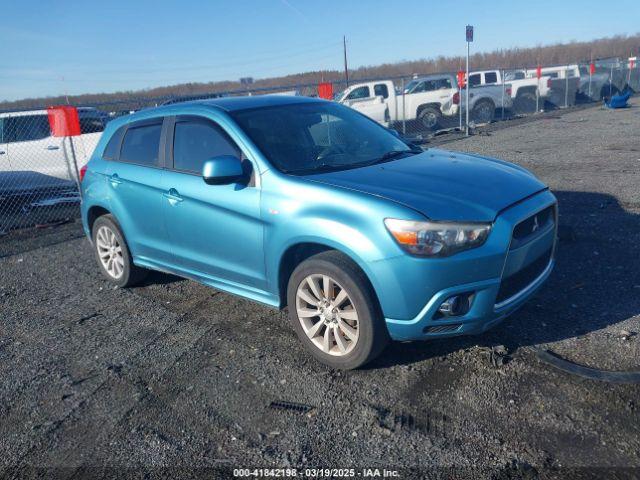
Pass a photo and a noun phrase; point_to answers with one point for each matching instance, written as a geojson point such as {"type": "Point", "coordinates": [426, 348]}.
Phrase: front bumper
{"type": "Point", "coordinates": [481, 272]}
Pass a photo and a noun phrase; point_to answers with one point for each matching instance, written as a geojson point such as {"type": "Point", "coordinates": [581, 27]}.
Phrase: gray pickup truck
{"type": "Point", "coordinates": [428, 100]}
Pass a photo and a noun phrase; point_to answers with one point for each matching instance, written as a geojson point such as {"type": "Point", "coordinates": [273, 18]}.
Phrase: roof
{"type": "Point", "coordinates": [231, 104]}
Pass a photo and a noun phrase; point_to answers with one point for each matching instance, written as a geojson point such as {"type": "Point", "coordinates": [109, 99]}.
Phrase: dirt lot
{"type": "Point", "coordinates": [175, 379]}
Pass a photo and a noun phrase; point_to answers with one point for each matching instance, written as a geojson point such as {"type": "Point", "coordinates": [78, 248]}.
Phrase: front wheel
{"type": "Point", "coordinates": [334, 312]}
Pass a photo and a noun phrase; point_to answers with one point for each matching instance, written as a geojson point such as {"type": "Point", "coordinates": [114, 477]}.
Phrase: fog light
{"type": "Point", "coordinates": [456, 305]}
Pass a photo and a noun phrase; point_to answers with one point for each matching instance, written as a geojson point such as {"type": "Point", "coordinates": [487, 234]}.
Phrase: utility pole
{"type": "Point", "coordinates": [346, 68]}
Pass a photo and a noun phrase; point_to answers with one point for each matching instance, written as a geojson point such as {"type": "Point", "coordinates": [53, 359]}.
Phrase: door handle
{"type": "Point", "coordinates": [52, 147]}
{"type": "Point", "coordinates": [173, 196]}
{"type": "Point", "coordinates": [115, 180]}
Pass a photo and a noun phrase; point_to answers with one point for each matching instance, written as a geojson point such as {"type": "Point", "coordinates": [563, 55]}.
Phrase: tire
{"type": "Point", "coordinates": [369, 330]}
{"type": "Point", "coordinates": [109, 244]}
{"type": "Point", "coordinates": [430, 118]}
{"type": "Point", "coordinates": [483, 112]}
{"type": "Point", "coordinates": [525, 102]}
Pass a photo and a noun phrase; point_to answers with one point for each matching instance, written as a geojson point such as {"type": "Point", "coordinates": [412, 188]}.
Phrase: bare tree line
{"type": "Point", "coordinates": [558, 54]}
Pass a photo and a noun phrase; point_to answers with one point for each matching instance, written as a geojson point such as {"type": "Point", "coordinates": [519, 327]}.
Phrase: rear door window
{"type": "Point", "coordinates": [381, 90]}
{"type": "Point", "coordinates": [196, 141]}
{"type": "Point", "coordinates": [141, 144]}
{"type": "Point", "coordinates": [26, 128]}
{"type": "Point", "coordinates": [442, 83]}
{"type": "Point", "coordinates": [490, 78]}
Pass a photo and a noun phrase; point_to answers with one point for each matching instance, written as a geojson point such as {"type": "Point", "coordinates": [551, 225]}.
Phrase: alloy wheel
{"type": "Point", "coordinates": [110, 252]}
{"type": "Point", "coordinates": [327, 314]}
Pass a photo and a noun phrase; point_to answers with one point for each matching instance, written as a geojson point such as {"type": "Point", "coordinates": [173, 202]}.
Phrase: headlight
{"type": "Point", "coordinates": [433, 239]}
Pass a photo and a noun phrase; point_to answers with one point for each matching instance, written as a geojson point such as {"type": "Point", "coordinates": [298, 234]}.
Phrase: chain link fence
{"type": "Point", "coordinates": [39, 178]}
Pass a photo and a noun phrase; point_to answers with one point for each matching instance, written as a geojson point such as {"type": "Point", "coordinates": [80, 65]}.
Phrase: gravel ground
{"type": "Point", "coordinates": [174, 379]}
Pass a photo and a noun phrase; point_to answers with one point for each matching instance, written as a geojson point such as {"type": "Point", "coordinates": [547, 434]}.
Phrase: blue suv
{"type": "Point", "coordinates": [305, 203]}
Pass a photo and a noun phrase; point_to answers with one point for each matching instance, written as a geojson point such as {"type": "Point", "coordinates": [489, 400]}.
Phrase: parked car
{"type": "Point", "coordinates": [523, 88]}
{"type": "Point", "coordinates": [427, 99]}
{"type": "Point", "coordinates": [306, 203]}
{"type": "Point", "coordinates": [27, 145]}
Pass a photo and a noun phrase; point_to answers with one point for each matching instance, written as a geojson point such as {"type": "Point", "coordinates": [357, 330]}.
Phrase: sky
{"type": "Point", "coordinates": [72, 47]}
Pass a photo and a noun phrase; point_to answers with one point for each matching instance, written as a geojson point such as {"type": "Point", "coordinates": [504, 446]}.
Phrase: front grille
{"type": "Point", "coordinates": [535, 224]}
{"type": "Point", "coordinates": [443, 328]}
{"type": "Point", "coordinates": [523, 278]}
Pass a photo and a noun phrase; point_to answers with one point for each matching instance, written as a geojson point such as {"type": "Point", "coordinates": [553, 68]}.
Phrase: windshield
{"type": "Point", "coordinates": [323, 136]}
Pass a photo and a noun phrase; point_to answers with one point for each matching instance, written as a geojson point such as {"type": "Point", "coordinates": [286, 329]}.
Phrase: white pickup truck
{"type": "Point", "coordinates": [26, 144]}
{"type": "Point", "coordinates": [427, 99]}
{"type": "Point", "coordinates": [523, 86]}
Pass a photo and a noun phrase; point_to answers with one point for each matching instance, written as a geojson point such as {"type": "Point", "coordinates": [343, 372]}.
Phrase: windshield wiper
{"type": "Point", "coordinates": [390, 155]}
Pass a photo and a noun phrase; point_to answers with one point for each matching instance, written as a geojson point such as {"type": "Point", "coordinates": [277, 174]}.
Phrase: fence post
{"type": "Point", "coordinates": [460, 105]}
{"type": "Point", "coordinates": [503, 87]}
{"type": "Point", "coordinates": [611, 82]}
{"type": "Point", "coordinates": [404, 117]}
{"type": "Point", "coordinates": [566, 88]}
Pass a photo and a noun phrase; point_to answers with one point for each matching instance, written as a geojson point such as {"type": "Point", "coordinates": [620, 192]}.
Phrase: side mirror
{"type": "Point", "coordinates": [222, 170]}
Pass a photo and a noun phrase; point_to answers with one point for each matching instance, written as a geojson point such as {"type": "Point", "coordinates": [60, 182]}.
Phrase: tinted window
{"type": "Point", "coordinates": [26, 128]}
{"type": "Point", "coordinates": [442, 83]}
{"type": "Point", "coordinates": [91, 123]}
{"type": "Point", "coordinates": [491, 77]}
{"type": "Point", "coordinates": [312, 137]}
{"type": "Point", "coordinates": [194, 142]}
{"type": "Point", "coordinates": [518, 75]}
{"type": "Point", "coordinates": [360, 92]}
{"type": "Point", "coordinates": [141, 145]}
{"type": "Point", "coordinates": [112, 149]}
{"type": "Point", "coordinates": [474, 80]}
{"type": "Point", "coordinates": [423, 87]}
{"type": "Point", "coordinates": [381, 90]}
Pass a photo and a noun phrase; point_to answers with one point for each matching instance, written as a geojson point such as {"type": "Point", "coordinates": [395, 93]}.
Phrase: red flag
{"type": "Point", "coordinates": [538, 71]}
{"type": "Point", "coordinates": [64, 121]}
{"type": "Point", "coordinates": [631, 63]}
{"type": "Point", "coordinates": [325, 90]}
{"type": "Point", "coordinates": [592, 68]}
{"type": "Point", "coordinates": [461, 75]}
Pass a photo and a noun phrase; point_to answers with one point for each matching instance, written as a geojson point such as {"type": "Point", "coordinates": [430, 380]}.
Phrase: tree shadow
{"type": "Point", "coordinates": [595, 284]}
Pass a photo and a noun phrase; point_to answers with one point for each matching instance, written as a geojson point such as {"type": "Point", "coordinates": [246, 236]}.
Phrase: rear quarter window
{"type": "Point", "coordinates": [112, 150]}
{"type": "Point", "coordinates": [26, 128]}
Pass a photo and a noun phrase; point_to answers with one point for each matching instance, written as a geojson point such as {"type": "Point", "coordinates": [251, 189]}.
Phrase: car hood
{"type": "Point", "coordinates": [442, 185]}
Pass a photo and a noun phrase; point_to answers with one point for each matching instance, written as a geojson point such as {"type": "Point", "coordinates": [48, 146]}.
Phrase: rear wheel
{"type": "Point", "coordinates": [430, 118]}
{"type": "Point", "coordinates": [525, 102]}
{"type": "Point", "coordinates": [483, 111]}
{"type": "Point", "coordinates": [334, 312]}
{"type": "Point", "coordinates": [112, 253]}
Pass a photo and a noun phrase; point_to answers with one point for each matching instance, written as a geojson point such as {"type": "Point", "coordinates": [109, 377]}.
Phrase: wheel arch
{"type": "Point", "coordinates": [93, 213]}
{"type": "Point", "coordinates": [524, 90]}
{"type": "Point", "coordinates": [298, 252]}
{"type": "Point", "coordinates": [435, 105]}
